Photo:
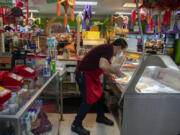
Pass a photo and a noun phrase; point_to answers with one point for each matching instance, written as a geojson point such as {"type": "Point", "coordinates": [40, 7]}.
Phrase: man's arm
{"type": "Point", "coordinates": [106, 67]}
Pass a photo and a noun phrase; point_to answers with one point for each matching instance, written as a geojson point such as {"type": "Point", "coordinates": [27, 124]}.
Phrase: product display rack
{"type": "Point", "coordinates": [16, 117]}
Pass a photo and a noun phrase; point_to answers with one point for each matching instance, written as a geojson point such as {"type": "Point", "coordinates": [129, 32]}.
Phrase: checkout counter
{"type": "Point", "coordinates": [147, 100]}
{"type": "Point", "coordinates": [31, 85]}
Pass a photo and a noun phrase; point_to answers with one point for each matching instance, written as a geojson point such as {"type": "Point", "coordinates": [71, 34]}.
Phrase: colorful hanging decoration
{"type": "Point", "coordinates": [134, 17]}
{"type": "Point", "coordinates": [66, 4]}
{"type": "Point", "coordinates": [168, 4]}
{"type": "Point", "coordinates": [79, 20]}
{"type": "Point", "coordinates": [87, 15]}
{"type": "Point", "coordinates": [155, 21]}
{"type": "Point", "coordinates": [119, 20]}
{"type": "Point", "coordinates": [126, 22]}
{"type": "Point", "coordinates": [142, 14]}
{"type": "Point", "coordinates": [149, 4]}
{"type": "Point", "coordinates": [167, 17]}
{"type": "Point", "coordinates": [177, 24]}
{"type": "Point", "coordinates": [3, 11]}
{"type": "Point", "coordinates": [161, 4]}
{"type": "Point", "coordinates": [159, 23]}
{"type": "Point", "coordinates": [31, 20]}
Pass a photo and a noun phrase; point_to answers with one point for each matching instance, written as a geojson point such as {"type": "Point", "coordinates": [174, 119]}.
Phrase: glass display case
{"type": "Point", "coordinates": [147, 100]}
{"type": "Point", "coordinates": [159, 80]}
{"type": "Point", "coordinates": [13, 119]}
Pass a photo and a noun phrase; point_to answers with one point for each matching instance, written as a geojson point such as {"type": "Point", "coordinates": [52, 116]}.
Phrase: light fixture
{"type": "Point", "coordinates": [77, 12]}
{"type": "Point", "coordinates": [130, 5]}
{"type": "Point", "coordinates": [90, 3]}
{"type": "Point", "coordinates": [31, 11]}
{"type": "Point", "coordinates": [123, 13]}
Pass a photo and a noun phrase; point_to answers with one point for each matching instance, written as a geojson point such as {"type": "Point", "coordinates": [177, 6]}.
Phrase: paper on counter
{"type": "Point", "coordinates": [125, 79]}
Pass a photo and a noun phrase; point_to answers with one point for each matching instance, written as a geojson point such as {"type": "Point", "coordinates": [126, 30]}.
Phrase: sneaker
{"type": "Point", "coordinates": [104, 120]}
{"type": "Point", "coordinates": [79, 130]}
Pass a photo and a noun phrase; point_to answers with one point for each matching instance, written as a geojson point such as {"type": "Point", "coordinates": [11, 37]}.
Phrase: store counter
{"type": "Point", "coordinates": [147, 98]}
{"type": "Point", "coordinates": [26, 97]}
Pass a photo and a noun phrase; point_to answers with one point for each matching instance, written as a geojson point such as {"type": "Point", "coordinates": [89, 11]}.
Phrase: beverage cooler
{"type": "Point", "coordinates": [147, 100]}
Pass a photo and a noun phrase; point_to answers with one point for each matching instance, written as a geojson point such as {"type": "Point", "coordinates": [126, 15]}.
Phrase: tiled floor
{"type": "Point", "coordinates": [89, 123]}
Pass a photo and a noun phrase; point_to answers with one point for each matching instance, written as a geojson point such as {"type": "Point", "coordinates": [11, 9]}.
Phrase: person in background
{"type": "Point", "coordinates": [95, 63]}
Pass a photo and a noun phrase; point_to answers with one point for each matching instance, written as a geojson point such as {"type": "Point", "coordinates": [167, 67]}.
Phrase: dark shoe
{"type": "Point", "coordinates": [80, 130]}
{"type": "Point", "coordinates": [104, 120]}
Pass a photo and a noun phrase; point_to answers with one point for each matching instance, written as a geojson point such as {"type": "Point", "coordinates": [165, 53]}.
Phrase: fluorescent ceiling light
{"type": "Point", "coordinates": [123, 13]}
{"type": "Point", "coordinates": [31, 11]}
{"type": "Point", "coordinates": [77, 12]}
{"type": "Point", "coordinates": [130, 5]}
{"type": "Point", "coordinates": [90, 3]}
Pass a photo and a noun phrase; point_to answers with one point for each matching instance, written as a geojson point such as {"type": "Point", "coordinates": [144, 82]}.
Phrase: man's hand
{"type": "Point", "coordinates": [120, 60]}
{"type": "Point", "coordinates": [120, 74]}
{"type": "Point", "coordinates": [107, 67]}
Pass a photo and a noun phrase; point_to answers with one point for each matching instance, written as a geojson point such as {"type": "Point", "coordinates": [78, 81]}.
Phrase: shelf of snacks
{"type": "Point", "coordinates": [155, 46]}
{"type": "Point", "coordinates": [93, 42]}
{"type": "Point", "coordinates": [119, 31]}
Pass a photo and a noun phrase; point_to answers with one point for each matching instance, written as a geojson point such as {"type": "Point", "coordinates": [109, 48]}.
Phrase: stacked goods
{"type": "Point", "coordinates": [94, 28]}
{"type": "Point", "coordinates": [91, 34]}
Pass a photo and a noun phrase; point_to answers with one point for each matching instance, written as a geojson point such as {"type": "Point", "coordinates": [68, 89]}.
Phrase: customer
{"type": "Point", "coordinates": [95, 63]}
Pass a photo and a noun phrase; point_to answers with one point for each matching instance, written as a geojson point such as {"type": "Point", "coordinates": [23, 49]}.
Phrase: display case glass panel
{"type": "Point", "coordinates": [159, 80]}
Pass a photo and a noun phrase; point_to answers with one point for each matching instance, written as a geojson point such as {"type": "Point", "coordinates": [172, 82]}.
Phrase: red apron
{"type": "Point", "coordinates": [93, 86]}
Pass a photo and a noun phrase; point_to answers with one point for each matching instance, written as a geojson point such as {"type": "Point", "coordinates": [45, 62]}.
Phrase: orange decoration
{"type": "Point", "coordinates": [66, 4]}
{"type": "Point", "coordinates": [58, 9]}
{"type": "Point", "coordinates": [65, 19]}
{"type": "Point", "coordinates": [149, 18]}
{"type": "Point", "coordinates": [72, 14]}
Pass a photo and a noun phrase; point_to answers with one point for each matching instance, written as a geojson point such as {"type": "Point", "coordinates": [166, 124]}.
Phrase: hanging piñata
{"type": "Point", "coordinates": [87, 14]}
{"type": "Point", "coordinates": [66, 4]}
{"type": "Point", "coordinates": [177, 24]}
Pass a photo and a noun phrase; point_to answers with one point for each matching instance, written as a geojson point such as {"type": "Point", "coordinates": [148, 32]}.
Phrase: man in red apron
{"type": "Point", "coordinates": [95, 63]}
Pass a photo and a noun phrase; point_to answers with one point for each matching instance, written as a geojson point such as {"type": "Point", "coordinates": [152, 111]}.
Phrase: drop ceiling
{"type": "Point", "coordinates": [104, 7]}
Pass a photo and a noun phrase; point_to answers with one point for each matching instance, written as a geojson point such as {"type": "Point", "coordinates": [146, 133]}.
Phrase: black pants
{"type": "Point", "coordinates": [84, 107]}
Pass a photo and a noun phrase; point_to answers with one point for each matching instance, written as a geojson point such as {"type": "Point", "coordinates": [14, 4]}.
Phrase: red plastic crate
{"type": "Point", "coordinates": [10, 79]}
{"type": "Point", "coordinates": [5, 95]}
{"type": "Point", "coordinates": [25, 71]}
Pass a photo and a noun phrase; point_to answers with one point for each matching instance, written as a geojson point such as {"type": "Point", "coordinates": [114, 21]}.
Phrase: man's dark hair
{"type": "Point", "coordinates": [120, 42]}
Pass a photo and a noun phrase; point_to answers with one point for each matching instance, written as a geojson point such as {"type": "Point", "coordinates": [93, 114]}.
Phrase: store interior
{"type": "Point", "coordinates": [43, 41]}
